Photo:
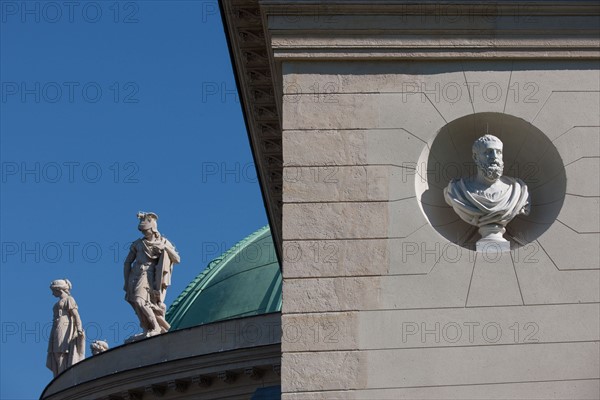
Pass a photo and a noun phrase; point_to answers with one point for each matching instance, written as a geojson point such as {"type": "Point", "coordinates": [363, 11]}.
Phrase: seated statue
{"type": "Point", "coordinates": [489, 200]}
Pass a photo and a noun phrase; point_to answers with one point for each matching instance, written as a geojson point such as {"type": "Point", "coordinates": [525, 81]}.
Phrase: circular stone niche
{"type": "Point", "coordinates": [528, 154]}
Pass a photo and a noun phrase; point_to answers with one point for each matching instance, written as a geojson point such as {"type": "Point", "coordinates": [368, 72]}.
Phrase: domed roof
{"type": "Point", "coordinates": [244, 281]}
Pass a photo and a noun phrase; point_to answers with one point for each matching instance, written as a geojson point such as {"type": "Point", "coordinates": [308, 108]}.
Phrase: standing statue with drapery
{"type": "Point", "coordinates": [147, 273]}
{"type": "Point", "coordinates": [66, 345]}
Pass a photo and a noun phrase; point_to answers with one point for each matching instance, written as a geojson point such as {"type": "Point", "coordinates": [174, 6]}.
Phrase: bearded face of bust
{"type": "Point", "coordinates": [487, 154]}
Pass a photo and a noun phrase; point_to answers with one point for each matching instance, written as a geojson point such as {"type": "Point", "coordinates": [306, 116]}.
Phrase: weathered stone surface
{"type": "Point", "coordinates": [354, 220]}
{"type": "Point", "coordinates": [548, 191]}
{"type": "Point", "coordinates": [327, 147]}
{"type": "Point", "coordinates": [335, 220]}
{"type": "Point", "coordinates": [399, 186]}
{"type": "Point", "coordinates": [565, 110]}
{"type": "Point", "coordinates": [330, 294]}
{"type": "Point", "coordinates": [478, 326]}
{"type": "Point", "coordinates": [439, 216]}
{"type": "Point", "coordinates": [482, 364]}
{"type": "Point", "coordinates": [447, 92]}
{"type": "Point", "coordinates": [415, 254]}
{"type": "Point", "coordinates": [583, 222]}
{"type": "Point", "coordinates": [322, 258]}
{"type": "Point", "coordinates": [395, 147]}
{"type": "Point", "coordinates": [313, 371]}
{"type": "Point", "coordinates": [315, 332]}
{"type": "Point", "coordinates": [578, 177]}
{"type": "Point", "coordinates": [494, 281]}
{"type": "Point", "coordinates": [363, 111]}
{"type": "Point", "coordinates": [542, 283]}
{"type": "Point", "coordinates": [578, 142]}
{"type": "Point", "coordinates": [337, 183]}
{"type": "Point", "coordinates": [348, 77]}
{"type": "Point", "coordinates": [569, 249]}
{"type": "Point", "coordinates": [532, 84]}
{"type": "Point", "coordinates": [405, 218]}
{"type": "Point", "coordinates": [330, 395]}
{"type": "Point", "coordinates": [419, 252]}
{"type": "Point", "coordinates": [576, 389]}
{"type": "Point", "coordinates": [445, 286]}
{"type": "Point", "coordinates": [441, 162]}
{"type": "Point", "coordinates": [488, 85]}
{"type": "Point", "coordinates": [329, 183]}
{"type": "Point", "coordinates": [517, 87]}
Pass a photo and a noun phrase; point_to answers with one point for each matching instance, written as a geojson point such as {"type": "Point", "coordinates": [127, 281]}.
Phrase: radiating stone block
{"type": "Point", "coordinates": [569, 249]}
{"type": "Point", "coordinates": [494, 281]}
{"type": "Point", "coordinates": [542, 283]}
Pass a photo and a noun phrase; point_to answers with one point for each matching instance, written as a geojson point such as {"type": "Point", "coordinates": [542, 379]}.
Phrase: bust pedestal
{"type": "Point", "coordinates": [492, 239]}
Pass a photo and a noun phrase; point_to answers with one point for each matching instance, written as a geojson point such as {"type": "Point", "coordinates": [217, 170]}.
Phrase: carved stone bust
{"type": "Point", "coordinates": [489, 200]}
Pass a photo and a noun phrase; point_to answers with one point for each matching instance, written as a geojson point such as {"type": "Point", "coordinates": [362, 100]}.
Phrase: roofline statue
{"type": "Point", "coordinates": [66, 345]}
{"type": "Point", "coordinates": [147, 272]}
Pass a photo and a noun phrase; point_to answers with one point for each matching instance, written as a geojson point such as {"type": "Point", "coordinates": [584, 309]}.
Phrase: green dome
{"type": "Point", "coordinates": [244, 281]}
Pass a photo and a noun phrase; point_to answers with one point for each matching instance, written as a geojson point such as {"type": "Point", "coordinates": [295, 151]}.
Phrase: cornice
{"type": "Point", "coordinates": [366, 7]}
{"type": "Point", "coordinates": [432, 29]}
{"type": "Point", "coordinates": [253, 71]}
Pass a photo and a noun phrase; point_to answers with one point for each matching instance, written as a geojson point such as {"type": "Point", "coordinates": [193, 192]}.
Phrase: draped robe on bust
{"type": "Point", "coordinates": [478, 210]}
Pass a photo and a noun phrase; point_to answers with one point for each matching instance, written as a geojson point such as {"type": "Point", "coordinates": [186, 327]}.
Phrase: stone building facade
{"type": "Point", "coordinates": [360, 112]}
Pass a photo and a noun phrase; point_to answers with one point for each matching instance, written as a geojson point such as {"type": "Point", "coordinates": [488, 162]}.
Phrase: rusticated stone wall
{"type": "Point", "coordinates": [383, 295]}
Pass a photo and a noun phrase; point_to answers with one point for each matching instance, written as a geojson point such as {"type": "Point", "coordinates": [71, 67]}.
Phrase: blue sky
{"type": "Point", "coordinates": [108, 108]}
